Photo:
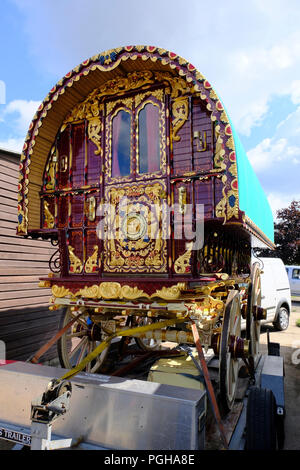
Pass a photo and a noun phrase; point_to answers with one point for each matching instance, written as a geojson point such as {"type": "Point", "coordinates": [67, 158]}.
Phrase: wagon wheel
{"type": "Point", "coordinates": [254, 298]}
{"type": "Point", "coordinates": [78, 341]}
{"type": "Point", "coordinates": [144, 343]}
{"type": "Point", "coordinates": [229, 366]}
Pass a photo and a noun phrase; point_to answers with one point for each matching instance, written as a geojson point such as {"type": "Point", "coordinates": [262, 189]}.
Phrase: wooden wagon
{"type": "Point", "coordinates": [128, 157]}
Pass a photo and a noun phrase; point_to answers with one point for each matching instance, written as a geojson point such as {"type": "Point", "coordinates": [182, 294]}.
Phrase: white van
{"type": "Point", "coordinates": [294, 278]}
{"type": "Point", "coordinates": [275, 292]}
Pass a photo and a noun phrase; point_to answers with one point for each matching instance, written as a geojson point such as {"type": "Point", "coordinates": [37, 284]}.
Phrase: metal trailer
{"type": "Point", "coordinates": [102, 412]}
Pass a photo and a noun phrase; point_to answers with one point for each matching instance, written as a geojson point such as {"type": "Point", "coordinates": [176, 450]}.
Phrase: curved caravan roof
{"type": "Point", "coordinates": [243, 200]}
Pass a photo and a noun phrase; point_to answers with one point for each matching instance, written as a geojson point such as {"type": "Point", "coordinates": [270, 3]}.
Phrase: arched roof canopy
{"type": "Point", "coordinates": [93, 74]}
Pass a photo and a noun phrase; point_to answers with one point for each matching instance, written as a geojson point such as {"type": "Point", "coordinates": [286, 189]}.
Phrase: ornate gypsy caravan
{"type": "Point", "coordinates": [142, 124]}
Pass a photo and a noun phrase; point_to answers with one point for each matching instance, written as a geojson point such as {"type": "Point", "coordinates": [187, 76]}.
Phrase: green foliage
{"type": "Point", "coordinates": [298, 322]}
{"type": "Point", "coordinates": [287, 235]}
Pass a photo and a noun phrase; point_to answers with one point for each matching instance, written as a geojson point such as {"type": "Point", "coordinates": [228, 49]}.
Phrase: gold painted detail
{"type": "Point", "coordinates": [22, 220]}
{"type": "Point", "coordinates": [90, 208]}
{"type": "Point", "coordinates": [182, 199]}
{"type": "Point", "coordinates": [89, 108]}
{"type": "Point", "coordinates": [228, 206]}
{"type": "Point", "coordinates": [183, 263]}
{"type": "Point", "coordinates": [60, 291]}
{"type": "Point", "coordinates": [230, 143]}
{"type": "Point", "coordinates": [221, 206]}
{"type": "Point", "coordinates": [95, 128]}
{"type": "Point", "coordinates": [44, 284]}
{"type": "Point", "coordinates": [127, 103]}
{"type": "Point", "coordinates": [51, 170]}
{"type": "Point", "coordinates": [181, 85]}
{"type": "Point", "coordinates": [86, 109]}
{"type": "Point", "coordinates": [170, 293]}
{"type": "Point", "coordinates": [158, 94]}
{"type": "Point", "coordinates": [136, 229]}
{"type": "Point", "coordinates": [220, 151]}
{"type": "Point", "coordinates": [49, 218]}
{"type": "Point", "coordinates": [180, 111]}
{"type": "Point", "coordinates": [92, 261]}
{"type": "Point", "coordinates": [114, 290]}
{"type": "Point", "coordinates": [75, 262]}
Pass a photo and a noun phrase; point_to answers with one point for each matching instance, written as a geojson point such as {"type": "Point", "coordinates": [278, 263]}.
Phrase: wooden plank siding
{"type": "Point", "coordinates": [26, 323]}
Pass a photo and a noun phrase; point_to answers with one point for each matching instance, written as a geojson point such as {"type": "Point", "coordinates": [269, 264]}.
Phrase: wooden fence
{"type": "Point", "coordinates": [25, 320]}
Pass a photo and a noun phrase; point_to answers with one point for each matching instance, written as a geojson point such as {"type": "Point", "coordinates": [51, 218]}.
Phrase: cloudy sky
{"type": "Point", "coordinates": [249, 51]}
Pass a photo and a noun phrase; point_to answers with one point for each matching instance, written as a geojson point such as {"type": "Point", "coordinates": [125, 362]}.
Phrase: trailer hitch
{"type": "Point", "coordinates": [52, 404]}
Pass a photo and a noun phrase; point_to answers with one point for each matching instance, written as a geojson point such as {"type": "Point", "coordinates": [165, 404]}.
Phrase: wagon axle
{"type": "Point", "coordinates": [238, 347]}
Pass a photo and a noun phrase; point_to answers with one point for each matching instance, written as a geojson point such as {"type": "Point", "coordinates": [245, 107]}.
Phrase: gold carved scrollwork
{"type": "Point", "coordinates": [219, 152]}
{"type": "Point", "coordinates": [170, 293]}
{"type": "Point", "coordinates": [221, 206]}
{"type": "Point", "coordinates": [180, 111]}
{"type": "Point", "coordinates": [91, 263]}
{"type": "Point", "coordinates": [227, 207]}
{"type": "Point", "coordinates": [51, 170]}
{"type": "Point", "coordinates": [60, 291]}
{"type": "Point", "coordinates": [154, 192]}
{"type": "Point", "coordinates": [90, 208]}
{"type": "Point", "coordinates": [127, 103]}
{"type": "Point", "coordinates": [75, 262]}
{"type": "Point", "coordinates": [138, 233]}
{"type": "Point", "coordinates": [49, 218]}
{"type": "Point", "coordinates": [114, 290]}
{"type": "Point", "coordinates": [94, 133]}
{"type": "Point", "coordinates": [183, 263]}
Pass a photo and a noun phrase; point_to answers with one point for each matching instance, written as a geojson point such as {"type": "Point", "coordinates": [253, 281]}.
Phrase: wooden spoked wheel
{"type": "Point", "coordinates": [144, 343]}
{"type": "Point", "coordinates": [228, 365]}
{"type": "Point", "coordinates": [78, 341]}
{"type": "Point", "coordinates": [254, 298]}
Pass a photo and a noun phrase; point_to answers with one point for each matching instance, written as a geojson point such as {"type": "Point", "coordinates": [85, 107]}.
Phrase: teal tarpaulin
{"type": "Point", "coordinates": [252, 199]}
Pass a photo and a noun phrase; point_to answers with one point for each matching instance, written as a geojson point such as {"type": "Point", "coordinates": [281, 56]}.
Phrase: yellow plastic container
{"type": "Point", "coordinates": [171, 371]}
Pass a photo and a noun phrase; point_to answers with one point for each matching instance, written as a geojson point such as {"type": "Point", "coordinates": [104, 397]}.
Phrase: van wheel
{"type": "Point", "coordinates": [282, 321]}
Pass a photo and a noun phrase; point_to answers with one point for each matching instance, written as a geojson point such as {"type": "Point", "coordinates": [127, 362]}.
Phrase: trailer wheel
{"type": "Point", "coordinates": [261, 420]}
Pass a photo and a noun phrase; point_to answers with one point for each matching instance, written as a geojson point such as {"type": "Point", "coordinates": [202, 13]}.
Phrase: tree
{"type": "Point", "coordinates": [287, 235]}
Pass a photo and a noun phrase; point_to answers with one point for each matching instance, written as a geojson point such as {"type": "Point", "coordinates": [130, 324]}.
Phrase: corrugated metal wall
{"type": "Point", "coordinates": [25, 320]}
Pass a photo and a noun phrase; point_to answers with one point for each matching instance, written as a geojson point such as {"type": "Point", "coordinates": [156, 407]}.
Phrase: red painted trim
{"type": "Point", "coordinates": [3, 362]}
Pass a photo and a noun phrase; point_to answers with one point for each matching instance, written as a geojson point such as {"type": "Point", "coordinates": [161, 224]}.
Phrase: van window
{"type": "Point", "coordinates": [296, 274]}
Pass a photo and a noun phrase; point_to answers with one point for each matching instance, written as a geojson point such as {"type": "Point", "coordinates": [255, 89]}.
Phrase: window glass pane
{"type": "Point", "coordinates": [296, 274]}
{"type": "Point", "coordinates": [149, 158]}
{"type": "Point", "coordinates": [121, 125]}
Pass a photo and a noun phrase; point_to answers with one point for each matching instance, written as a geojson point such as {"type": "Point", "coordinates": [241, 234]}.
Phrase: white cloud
{"type": "Point", "coordinates": [279, 200]}
{"type": "Point", "coordinates": [295, 91]}
{"type": "Point", "coordinates": [21, 112]}
{"type": "Point", "coordinates": [269, 152]}
{"type": "Point", "coordinates": [2, 92]}
{"type": "Point", "coordinates": [249, 51]}
{"type": "Point", "coordinates": [12, 144]}
{"type": "Point", "coordinates": [15, 118]}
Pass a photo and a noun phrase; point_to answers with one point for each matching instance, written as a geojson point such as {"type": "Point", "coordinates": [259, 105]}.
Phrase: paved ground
{"type": "Point", "coordinates": [289, 343]}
